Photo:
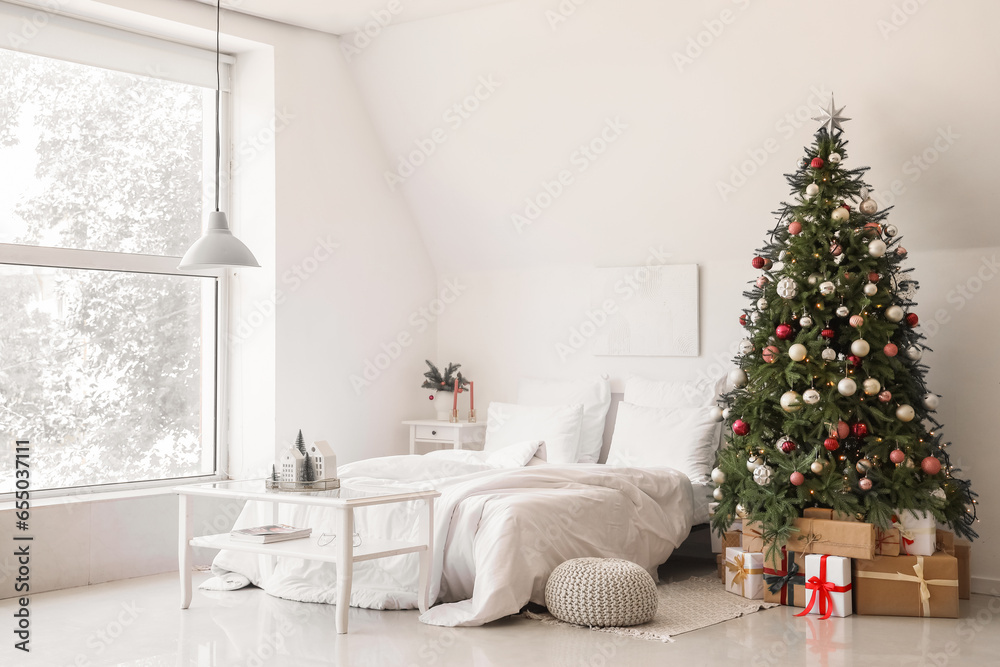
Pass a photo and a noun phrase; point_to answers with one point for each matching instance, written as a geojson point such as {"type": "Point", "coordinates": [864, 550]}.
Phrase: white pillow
{"type": "Point", "coordinates": [595, 395]}
{"type": "Point", "coordinates": [679, 438]}
{"type": "Point", "coordinates": [557, 427]}
{"type": "Point", "coordinates": [514, 456]}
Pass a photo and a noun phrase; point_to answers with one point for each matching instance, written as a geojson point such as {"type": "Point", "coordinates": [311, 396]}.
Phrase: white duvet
{"type": "Point", "coordinates": [499, 532]}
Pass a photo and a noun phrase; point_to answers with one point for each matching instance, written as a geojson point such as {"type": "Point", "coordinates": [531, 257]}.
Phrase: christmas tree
{"type": "Point", "coordinates": [830, 406]}
{"type": "Point", "coordinates": [300, 443]}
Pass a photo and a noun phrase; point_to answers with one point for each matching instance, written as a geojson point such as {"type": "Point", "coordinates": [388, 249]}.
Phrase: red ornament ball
{"type": "Point", "coordinates": [843, 430]}
{"type": "Point", "coordinates": [757, 262]}
{"type": "Point", "coordinates": [865, 484]}
{"type": "Point", "coordinates": [795, 228]}
{"type": "Point", "coordinates": [930, 465]}
{"type": "Point", "coordinates": [827, 333]}
{"type": "Point", "coordinates": [897, 456]}
{"type": "Point", "coordinates": [431, 397]}
{"type": "Point", "coordinates": [912, 319]}
{"type": "Point", "coordinates": [797, 478]}
{"type": "Point", "coordinates": [783, 331]}
{"type": "Point", "coordinates": [885, 396]}
{"type": "Point", "coordinates": [771, 354]}
{"type": "Point", "coordinates": [831, 444]}
{"type": "Point", "coordinates": [873, 277]}
{"type": "Point", "coordinates": [740, 427]}
{"type": "Point", "coordinates": [855, 360]}
{"type": "Point", "coordinates": [762, 281]}
{"type": "Point", "coordinates": [873, 227]}
{"type": "Point", "coordinates": [743, 319]}
{"type": "Point", "coordinates": [901, 251]}
{"type": "Point", "coordinates": [890, 350]}
{"type": "Point", "coordinates": [859, 429]}
{"type": "Point", "coordinates": [857, 321]}
{"type": "Point", "coordinates": [788, 446]}
{"type": "Point", "coordinates": [817, 163]}
{"type": "Point", "coordinates": [836, 249]}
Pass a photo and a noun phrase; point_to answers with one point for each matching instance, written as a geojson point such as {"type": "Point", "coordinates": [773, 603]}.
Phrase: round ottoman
{"type": "Point", "coordinates": [601, 592]}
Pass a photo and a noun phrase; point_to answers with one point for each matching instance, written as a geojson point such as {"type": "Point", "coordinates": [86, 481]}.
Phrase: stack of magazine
{"type": "Point", "coordinates": [268, 534]}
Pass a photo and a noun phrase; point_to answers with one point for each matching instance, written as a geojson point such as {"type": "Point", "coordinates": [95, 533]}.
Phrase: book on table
{"type": "Point", "coordinates": [268, 534]}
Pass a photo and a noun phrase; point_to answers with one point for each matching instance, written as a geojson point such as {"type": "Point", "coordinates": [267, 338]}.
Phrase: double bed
{"type": "Point", "coordinates": [504, 521]}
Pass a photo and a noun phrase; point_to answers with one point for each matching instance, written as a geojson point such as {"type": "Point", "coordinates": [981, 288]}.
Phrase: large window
{"type": "Point", "coordinates": [109, 355]}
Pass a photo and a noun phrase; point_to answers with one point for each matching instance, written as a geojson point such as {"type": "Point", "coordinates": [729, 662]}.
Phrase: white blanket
{"type": "Point", "coordinates": [498, 533]}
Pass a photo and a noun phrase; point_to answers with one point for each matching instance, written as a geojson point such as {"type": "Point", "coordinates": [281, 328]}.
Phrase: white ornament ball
{"type": "Point", "coordinates": [905, 413]}
{"type": "Point", "coordinates": [791, 401]}
{"type": "Point", "coordinates": [894, 314]}
{"type": "Point", "coordinates": [827, 288]}
{"type": "Point", "coordinates": [811, 396]}
{"type": "Point", "coordinates": [737, 377]}
{"type": "Point", "coordinates": [787, 289]}
{"type": "Point", "coordinates": [876, 248]}
{"type": "Point", "coordinates": [798, 352]}
{"type": "Point", "coordinates": [840, 214]}
{"type": "Point", "coordinates": [860, 348]}
{"type": "Point", "coordinates": [870, 289]}
{"type": "Point", "coordinates": [843, 311]}
{"type": "Point", "coordinates": [755, 316]}
{"type": "Point", "coordinates": [717, 494]}
{"type": "Point", "coordinates": [746, 346]}
{"type": "Point", "coordinates": [939, 494]}
{"type": "Point", "coordinates": [868, 206]}
{"type": "Point", "coordinates": [890, 230]}
{"type": "Point", "coordinates": [726, 412]}
{"type": "Point", "coordinates": [718, 476]}
{"type": "Point", "coordinates": [716, 414]}
{"type": "Point", "coordinates": [834, 158]}
{"type": "Point", "coordinates": [805, 321]}
{"type": "Point", "coordinates": [761, 303]}
{"type": "Point", "coordinates": [847, 387]}
{"type": "Point", "coordinates": [817, 467]}
{"type": "Point", "coordinates": [812, 190]}
{"type": "Point", "coordinates": [741, 511]}
{"type": "Point", "coordinates": [913, 353]}
{"type": "Point", "coordinates": [931, 402]}
{"type": "Point", "coordinates": [814, 278]}
{"type": "Point", "coordinates": [828, 354]}
{"type": "Point", "coordinates": [763, 475]}
{"type": "Point", "coordinates": [753, 463]}
{"type": "Point", "coordinates": [871, 386]}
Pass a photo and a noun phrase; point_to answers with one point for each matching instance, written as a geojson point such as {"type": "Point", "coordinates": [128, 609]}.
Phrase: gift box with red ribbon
{"type": "Point", "coordinates": [828, 586]}
{"type": "Point", "coordinates": [918, 532]}
{"type": "Point", "coordinates": [784, 578]}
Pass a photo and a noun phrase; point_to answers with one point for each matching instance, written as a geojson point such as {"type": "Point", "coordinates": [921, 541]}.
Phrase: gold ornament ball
{"type": "Point", "coordinates": [791, 401]}
{"type": "Point", "coordinates": [860, 347]}
{"type": "Point", "coordinates": [871, 386]}
{"type": "Point", "coordinates": [863, 466]}
{"type": "Point", "coordinates": [894, 314]}
{"type": "Point", "coordinates": [798, 352]}
{"type": "Point", "coordinates": [869, 207]}
{"type": "Point", "coordinates": [817, 467]}
{"type": "Point", "coordinates": [905, 413]}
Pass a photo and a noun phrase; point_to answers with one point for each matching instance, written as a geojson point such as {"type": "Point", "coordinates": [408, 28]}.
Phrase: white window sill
{"type": "Point", "coordinates": [62, 497]}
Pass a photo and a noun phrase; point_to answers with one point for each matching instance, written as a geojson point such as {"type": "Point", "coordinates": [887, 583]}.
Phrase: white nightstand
{"type": "Point", "coordinates": [445, 433]}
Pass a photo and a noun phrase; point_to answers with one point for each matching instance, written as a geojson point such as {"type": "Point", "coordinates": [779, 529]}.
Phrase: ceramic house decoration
{"type": "Point", "coordinates": [324, 460]}
{"type": "Point", "coordinates": [292, 462]}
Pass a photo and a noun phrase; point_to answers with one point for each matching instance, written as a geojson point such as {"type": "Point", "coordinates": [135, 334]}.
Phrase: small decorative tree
{"type": "Point", "coordinates": [434, 379]}
{"type": "Point", "coordinates": [300, 444]}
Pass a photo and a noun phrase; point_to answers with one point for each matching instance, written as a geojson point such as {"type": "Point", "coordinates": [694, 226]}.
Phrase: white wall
{"type": "Point", "coordinates": [738, 104]}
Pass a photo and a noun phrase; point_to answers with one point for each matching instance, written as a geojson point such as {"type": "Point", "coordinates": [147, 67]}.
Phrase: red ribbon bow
{"type": "Point", "coordinates": [822, 589]}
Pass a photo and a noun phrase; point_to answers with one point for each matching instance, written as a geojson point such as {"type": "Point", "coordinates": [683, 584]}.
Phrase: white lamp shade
{"type": "Point", "coordinates": [217, 248]}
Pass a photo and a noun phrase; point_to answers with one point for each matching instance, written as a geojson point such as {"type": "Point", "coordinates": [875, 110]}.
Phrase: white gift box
{"type": "Point", "coordinates": [745, 573]}
{"type": "Point", "coordinates": [918, 533]}
{"type": "Point", "coordinates": [822, 570]}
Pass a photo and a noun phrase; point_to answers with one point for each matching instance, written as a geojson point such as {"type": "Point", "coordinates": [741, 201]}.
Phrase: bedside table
{"type": "Point", "coordinates": [438, 432]}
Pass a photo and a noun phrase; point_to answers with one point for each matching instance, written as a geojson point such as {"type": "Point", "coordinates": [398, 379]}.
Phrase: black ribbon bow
{"type": "Point", "coordinates": [775, 582]}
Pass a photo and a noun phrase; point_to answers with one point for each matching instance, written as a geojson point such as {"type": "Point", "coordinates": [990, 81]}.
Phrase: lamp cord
{"type": "Point", "coordinates": [218, 93]}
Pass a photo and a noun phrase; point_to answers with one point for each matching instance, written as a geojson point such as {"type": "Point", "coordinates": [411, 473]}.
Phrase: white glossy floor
{"type": "Point", "coordinates": [137, 622]}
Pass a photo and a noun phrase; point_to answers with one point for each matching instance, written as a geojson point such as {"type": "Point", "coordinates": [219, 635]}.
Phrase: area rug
{"type": "Point", "coordinates": [684, 606]}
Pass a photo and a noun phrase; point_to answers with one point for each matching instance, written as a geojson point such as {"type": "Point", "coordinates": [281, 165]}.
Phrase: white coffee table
{"type": "Point", "coordinates": [342, 551]}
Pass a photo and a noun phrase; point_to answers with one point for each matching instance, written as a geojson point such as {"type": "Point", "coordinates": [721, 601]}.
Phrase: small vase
{"type": "Point", "coordinates": [442, 405]}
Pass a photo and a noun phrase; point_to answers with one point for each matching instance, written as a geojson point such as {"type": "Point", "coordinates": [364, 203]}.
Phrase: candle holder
{"type": "Point", "coordinates": [454, 417]}
{"type": "Point", "coordinates": [472, 416]}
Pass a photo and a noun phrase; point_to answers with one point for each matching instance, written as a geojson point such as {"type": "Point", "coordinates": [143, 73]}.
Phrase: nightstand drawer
{"type": "Point", "coordinates": [444, 433]}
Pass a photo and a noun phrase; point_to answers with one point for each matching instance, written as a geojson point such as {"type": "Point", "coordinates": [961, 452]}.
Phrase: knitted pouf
{"type": "Point", "coordinates": [601, 592]}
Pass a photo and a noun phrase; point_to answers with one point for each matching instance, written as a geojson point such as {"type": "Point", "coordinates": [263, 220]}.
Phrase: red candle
{"type": "Point", "coordinates": [472, 395]}
{"type": "Point", "coordinates": [454, 405]}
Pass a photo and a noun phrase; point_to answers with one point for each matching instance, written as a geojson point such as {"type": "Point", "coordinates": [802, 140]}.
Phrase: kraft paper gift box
{"type": "Point", "coordinates": [720, 566]}
{"type": "Point", "coordinates": [886, 542]}
{"type": "Point", "coordinates": [829, 591]}
{"type": "Point", "coordinates": [785, 578]}
{"type": "Point", "coordinates": [848, 539]}
{"type": "Point", "coordinates": [717, 546]}
{"type": "Point", "coordinates": [918, 532]}
{"type": "Point", "coordinates": [924, 586]}
{"type": "Point", "coordinates": [945, 541]}
{"type": "Point", "coordinates": [753, 536]}
{"type": "Point", "coordinates": [745, 573]}
{"type": "Point", "coordinates": [963, 552]}
{"type": "Point", "coordinates": [825, 513]}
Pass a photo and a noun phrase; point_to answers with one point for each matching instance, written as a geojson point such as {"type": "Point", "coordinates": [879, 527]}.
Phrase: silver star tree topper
{"type": "Point", "coordinates": [831, 117]}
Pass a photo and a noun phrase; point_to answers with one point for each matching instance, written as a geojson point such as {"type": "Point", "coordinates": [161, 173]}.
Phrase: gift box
{"type": "Point", "coordinates": [745, 573]}
{"type": "Point", "coordinates": [731, 538]}
{"type": "Point", "coordinates": [826, 513]}
{"type": "Point", "coordinates": [944, 540]}
{"type": "Point", "coordinates": [886, 542]}
{"type": "Point", "coordinates": [720, 565]}
{"type": "Point", "coordinates": [717, 546]}
{"type": "Point", "coordinates": [918, 532]}
{"type": "Point", "coordinates": [784, 578]}
{"type": "Point", "coordinates": [828, 586]}
{"type": "Point", "coordinates": [848, 539]}
{"type": "Point", "coordinates": [963, 553]}
{"type": "Point", "coordinates": [753, 536]}
{"type": "Point", "coordinates": [924, 586]}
